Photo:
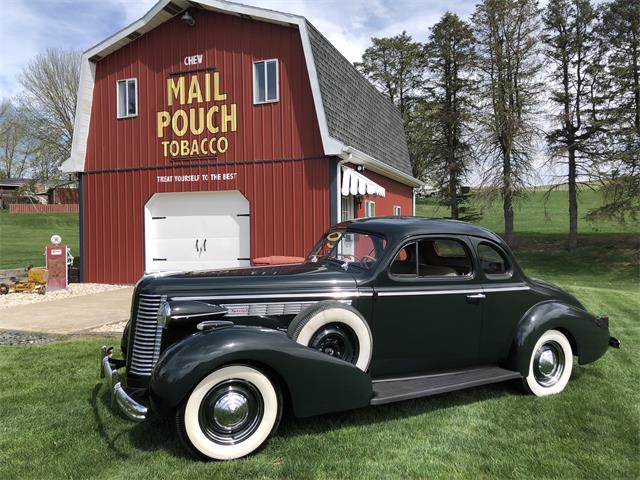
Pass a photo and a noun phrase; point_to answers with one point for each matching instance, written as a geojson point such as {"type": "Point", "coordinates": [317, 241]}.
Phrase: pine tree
{"type": "Point", "coordinates": [618, 167]}
{"type": "Point", "coordinates": [449, 55]}
{"type": "Point", "coordinates": [395, 66]}
{"type": "Point", "coordinates": [571, 47]}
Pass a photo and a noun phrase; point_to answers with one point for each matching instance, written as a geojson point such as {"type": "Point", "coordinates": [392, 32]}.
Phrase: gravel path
{"type": "Point", "coordinates": [74, 290]}
{"type": "Point", "coordinates": [117, 327]}
{"type": "Point", "coordinates": [21, 338]}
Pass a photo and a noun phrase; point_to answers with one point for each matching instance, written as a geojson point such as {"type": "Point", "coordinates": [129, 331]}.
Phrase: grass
{"type": "Point", "coordinates": [23, 237]}
{"type": "Point", "coordinates": [56, 421]}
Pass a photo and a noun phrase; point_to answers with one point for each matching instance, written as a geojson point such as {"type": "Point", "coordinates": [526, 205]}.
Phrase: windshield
{"type": "Point", "coordinates": [361, 250]}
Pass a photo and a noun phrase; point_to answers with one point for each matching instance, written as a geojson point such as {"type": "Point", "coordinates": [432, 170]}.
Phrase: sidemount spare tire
{"type": "Point", "coordinates": [336, 329]}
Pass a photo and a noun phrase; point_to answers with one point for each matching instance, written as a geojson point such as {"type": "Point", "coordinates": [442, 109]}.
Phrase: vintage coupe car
{"type": "Point", "coordinates": [381, 310]}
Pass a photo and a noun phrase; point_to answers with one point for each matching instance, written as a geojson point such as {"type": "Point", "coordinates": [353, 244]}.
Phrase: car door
{"type": "Point", "coordinates": [427, 308]}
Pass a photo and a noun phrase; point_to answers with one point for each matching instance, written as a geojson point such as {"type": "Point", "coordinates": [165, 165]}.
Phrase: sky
{"type": "Point", "coordinates": [30, 26]}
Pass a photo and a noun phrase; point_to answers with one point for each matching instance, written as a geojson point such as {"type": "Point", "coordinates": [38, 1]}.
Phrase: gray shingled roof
{"type": "Point", "coordinates": [357, 113]}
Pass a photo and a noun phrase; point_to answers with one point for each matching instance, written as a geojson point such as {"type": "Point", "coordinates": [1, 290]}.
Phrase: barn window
{"type": "Point", "coordinates": [127, 93]}
{"type": "Point", "coordinates": [265, 81]}
{"type": "Point", "coordinates": [396, 210]}
{"type": "Point", "coordinates": [369, 208]}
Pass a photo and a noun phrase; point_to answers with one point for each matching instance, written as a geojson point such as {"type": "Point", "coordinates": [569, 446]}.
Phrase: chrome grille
{"type": "Point", "coordinates": [267, 309]}
{"type": "Point", "coordinates": [147, 335]}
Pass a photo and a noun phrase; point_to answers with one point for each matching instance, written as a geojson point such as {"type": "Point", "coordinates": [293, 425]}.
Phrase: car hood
{"type": "Point", "coordinates": [271, 280]}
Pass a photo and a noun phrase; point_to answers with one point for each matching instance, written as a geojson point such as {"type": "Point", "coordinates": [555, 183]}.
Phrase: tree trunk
{"type": "Point", "coordinates": [453, 194]}
{"type": "Point", "coordinates": [507, 199]}
{"type": "Point", "coordinates": [573, 200]}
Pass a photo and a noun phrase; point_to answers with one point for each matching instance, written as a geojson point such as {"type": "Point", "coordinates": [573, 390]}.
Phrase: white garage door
{"type": "Point", "coordinates": [196, 230]}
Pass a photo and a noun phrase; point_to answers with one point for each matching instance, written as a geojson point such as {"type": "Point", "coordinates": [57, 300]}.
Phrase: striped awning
{"type": "Point", "coordinates": [354, 183]}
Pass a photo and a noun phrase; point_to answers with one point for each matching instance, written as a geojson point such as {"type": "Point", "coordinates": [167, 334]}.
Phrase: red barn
{"type": "Point", "coordinates": [208, 134]}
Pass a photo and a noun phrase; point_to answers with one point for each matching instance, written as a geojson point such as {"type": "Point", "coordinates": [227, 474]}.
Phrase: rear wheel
{"type": "Point", "coordinates": [231, 413]}
{"type": "Point", "coordinates": [550, 364]}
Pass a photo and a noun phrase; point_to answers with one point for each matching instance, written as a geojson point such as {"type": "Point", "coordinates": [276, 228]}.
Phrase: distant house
{"type": "Point", "coordinates": [12, 191]}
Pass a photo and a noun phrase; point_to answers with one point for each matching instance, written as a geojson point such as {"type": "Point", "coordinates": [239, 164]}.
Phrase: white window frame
{"type": "Point", "coordinates": [397, 210]}
{"type": "Point", "coordinates": [126, 98]}
{"type": "Point", "coordinates": [369, 208]}
{"type": "Point", "coordinates": [348, 212]}
{"type": "Point", "coordinates": [266, 86]}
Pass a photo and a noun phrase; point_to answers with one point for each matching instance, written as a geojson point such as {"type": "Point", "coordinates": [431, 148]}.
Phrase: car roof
{"type": "Point", "coordinates": [409, 226]}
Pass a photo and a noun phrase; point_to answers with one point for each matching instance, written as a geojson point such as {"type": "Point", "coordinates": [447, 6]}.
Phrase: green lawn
{"type": "Point", "coordinates": [24, 236]}
{"type": "Point", "coordinates": [56, 422]}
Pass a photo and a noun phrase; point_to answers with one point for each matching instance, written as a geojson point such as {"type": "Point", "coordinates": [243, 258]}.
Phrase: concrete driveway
{"type": "Point", "coordinates": [69, 315]}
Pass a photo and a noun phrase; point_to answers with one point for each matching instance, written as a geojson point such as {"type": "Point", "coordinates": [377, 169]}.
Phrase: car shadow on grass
{"type": "Point", "coordinates": [159, 433]}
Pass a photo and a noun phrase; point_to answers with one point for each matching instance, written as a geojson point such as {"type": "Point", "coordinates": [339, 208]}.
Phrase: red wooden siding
{"type": "Point", "coordinates": [289, 210]}
{"type": "Point", "coordinates": [285, 129]}
{"type": "Point", "coordinates": [396, 194]}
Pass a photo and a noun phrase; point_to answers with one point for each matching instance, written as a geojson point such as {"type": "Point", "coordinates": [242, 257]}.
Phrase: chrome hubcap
{"type": "Point", "coordinates": [548, 364]}
{"type": "Point", "coordinates": [231, 410]}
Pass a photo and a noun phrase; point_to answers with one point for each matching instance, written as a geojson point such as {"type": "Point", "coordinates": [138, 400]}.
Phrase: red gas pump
{"type": "Point", "coordinates": [57, 256]}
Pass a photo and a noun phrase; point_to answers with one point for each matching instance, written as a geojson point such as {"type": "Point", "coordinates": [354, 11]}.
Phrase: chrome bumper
{"type": "Point", "coordinates": [132, 409]}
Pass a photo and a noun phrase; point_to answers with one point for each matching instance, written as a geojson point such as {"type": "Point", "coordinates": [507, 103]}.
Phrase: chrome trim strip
{"type": "Point", "coordinates": [403, 293]}
{"type": "Point", "coordinates": [328, 295]}
{"type": "Point", "coordinates": [266, 309]}
{"type": "Point", "coordinates": [505, 289]}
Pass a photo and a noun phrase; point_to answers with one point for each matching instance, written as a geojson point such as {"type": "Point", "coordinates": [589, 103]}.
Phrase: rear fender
{"type": "Point", "coordinates": [316, 382]}
{"type": "Point", "coordinates": [589, 338]}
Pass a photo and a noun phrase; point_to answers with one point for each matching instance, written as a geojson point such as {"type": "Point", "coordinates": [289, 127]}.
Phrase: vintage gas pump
{"type": "Point", "coordinates": [58, 257]}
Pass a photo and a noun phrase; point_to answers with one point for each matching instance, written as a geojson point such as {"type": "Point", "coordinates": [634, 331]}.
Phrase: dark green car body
{"type": "Point", "coordinates": [419, 325]}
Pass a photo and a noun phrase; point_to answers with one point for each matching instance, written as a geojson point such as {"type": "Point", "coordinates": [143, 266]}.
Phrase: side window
{"type": "Point", "coordinates": [432, 258]}
{"type": "Point", "coordinates": [127, 93]}
{"type": "Point", "coordinates": [492, 261]}
{"type": "Point", "coordinates": [265, 81]}
{"type": "Point", "coordinates": [397, 210]}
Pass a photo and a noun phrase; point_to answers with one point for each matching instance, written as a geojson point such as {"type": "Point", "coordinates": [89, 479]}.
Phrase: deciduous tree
{"type": "Point", "coordinates": [509, 65]}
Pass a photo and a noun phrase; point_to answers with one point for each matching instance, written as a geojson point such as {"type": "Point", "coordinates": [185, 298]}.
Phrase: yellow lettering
{"type": "Point", "coordinates": [212, 146]}
{"type": "Point", "coordinates": [207, 87]}
{"type": "Point", "coordinates": [192, 121]}
{"type": "Point", "coordinates": [210, 119]}
{"type": "Point", "coordinates": [216, 88]}
{"type": "Point", "coordinates": [179, 114]}
{"type": "Point", "coordinates": [163, 121]}
{"type": "Point", "coordinates": [223, 144]}
{"type": "Point", "coordinates": [184, 148]}
{"type": "Point", "coordinates": [174, 151]}
{"type": "Point", "coordinates": [165, 145]}
{"type": "Point", "coordinates": [194, 148]}
{"type": "Point", "coordinates": [175, 90]}
{"type": "Point", "coordinates": [194, 90]}
{"type": "Point", "coordinates": [203, 146]}
{"type": "Point", "coordinates": [228, 118]}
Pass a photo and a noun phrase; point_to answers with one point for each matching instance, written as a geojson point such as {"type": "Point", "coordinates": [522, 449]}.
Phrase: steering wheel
{"type": "Point", "coordinates": [365, 260]}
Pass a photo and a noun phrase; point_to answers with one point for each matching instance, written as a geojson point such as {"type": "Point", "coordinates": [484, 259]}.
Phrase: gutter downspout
{"type": "Point", "coordinates": [339, 189]}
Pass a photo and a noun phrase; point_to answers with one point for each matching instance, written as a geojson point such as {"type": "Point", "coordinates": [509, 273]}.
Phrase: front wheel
{"type": "Point", "coordinates": [231, 413]}
{"type": "Point", "coordinates": [550, 364]}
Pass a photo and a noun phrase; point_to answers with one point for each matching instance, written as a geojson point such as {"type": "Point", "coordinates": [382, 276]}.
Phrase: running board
{"type": "Point", "coordinates": [404, 388]}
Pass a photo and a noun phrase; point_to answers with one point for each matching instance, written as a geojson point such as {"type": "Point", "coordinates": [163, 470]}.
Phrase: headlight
{"type": "Point", "coordinates": [164, 314]}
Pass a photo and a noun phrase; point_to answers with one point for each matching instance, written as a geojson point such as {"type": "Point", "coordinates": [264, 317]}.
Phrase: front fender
{"type": "Point", "coordinates": [317, 383]}
{"type": "Point", "coordinates": [588, 336]}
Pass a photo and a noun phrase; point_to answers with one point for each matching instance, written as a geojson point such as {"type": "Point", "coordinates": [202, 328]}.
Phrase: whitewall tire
{"type": "Point", "coordinates": [336, 329]}
{"type": "Point", "coordinates": [231, 413]}
{"type": "Point", "coordinates": [550, 364]}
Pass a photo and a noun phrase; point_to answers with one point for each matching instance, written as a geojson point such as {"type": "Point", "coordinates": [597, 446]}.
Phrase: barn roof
{"type": "Point", "coordinates": [356, 121]}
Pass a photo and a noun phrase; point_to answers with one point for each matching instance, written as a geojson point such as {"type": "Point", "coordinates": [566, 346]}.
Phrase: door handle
{"type": "Point", "coordinates": [475, 298]}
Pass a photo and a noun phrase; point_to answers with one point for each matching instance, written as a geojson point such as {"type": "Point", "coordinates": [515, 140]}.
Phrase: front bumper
{"type": "Point", "coordinates": [109, 369]}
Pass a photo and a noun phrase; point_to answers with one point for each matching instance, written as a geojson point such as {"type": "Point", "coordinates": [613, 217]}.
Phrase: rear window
{"type": "Point", "coordinates": [492, 261]}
